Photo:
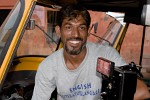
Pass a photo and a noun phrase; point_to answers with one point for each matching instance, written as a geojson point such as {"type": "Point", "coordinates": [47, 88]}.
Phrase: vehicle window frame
{"type": "Point", "coordinates": [14, 28]}
{"type": "Point", "coordinates": [10, 38]}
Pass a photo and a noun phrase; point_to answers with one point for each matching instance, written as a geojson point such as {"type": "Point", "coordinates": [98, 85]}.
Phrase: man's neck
{"type": "Point", "coordinates": [73, 61]}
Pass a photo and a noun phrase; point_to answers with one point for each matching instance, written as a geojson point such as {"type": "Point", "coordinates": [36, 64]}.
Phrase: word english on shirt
{"type": "Point", "coordinates": [82, 90]}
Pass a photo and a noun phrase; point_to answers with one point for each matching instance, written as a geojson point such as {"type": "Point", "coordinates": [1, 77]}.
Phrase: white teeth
{"type": "Point", "coordinates": [74, 42]}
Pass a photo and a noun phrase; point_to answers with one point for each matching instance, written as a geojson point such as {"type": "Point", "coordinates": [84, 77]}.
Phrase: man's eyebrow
{"type": "Point", "coordinates": [83, 24]}
{"type": "Point", "coordinates": [67, 23]}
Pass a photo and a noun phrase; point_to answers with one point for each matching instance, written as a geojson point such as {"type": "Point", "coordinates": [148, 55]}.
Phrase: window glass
{"type": "Point", "coordinates": [131, 46]}
{"type": "Point", "coordinates": [7, 26]}
{"type": "Point", "coordinates": [42, 40]}
{"type": "Point", "coordinates": [105, 28]}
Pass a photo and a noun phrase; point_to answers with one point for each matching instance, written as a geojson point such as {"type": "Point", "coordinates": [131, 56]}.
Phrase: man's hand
{"type": "Point", "coordinates": [142, 91]}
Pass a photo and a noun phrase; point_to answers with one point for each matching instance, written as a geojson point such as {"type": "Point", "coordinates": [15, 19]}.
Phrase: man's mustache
{"type": "Point", "coordinates": [77, 38]}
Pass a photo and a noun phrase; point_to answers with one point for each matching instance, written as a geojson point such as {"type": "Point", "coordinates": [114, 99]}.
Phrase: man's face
{"type": "Point", "coordinates": [74, 35]}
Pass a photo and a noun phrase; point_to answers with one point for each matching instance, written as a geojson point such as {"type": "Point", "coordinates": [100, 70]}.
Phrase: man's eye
{"type": "Point", "coordinates": [83, 27]}
{"type": "Point", "coordinates": [68, 27]}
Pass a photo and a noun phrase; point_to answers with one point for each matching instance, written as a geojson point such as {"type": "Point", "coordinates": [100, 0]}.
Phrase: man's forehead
{"type": "Point", "coordinates": [75, 19]}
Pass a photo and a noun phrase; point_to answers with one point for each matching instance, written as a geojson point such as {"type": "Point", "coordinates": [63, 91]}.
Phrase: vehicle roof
{"type": "Point", "coordinates": [131, 8]}
{"type": "Point", "coordinates": [101, 5]}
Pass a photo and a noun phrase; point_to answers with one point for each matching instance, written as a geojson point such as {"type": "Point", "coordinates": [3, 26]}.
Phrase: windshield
{"type": "Point", "coordinates": [39, 37]}
{"type": "Point", "coordinates": [105, 28]}
{"type": "Point", "coordinates": [7, 27]}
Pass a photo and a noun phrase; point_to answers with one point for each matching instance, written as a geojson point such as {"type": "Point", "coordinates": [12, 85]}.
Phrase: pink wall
{"type": "Point", "coordinates": [7, 4]}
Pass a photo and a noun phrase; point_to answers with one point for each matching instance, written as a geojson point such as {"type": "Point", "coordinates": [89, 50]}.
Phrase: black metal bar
{"type": "Point", "coordinates": [142, 45]}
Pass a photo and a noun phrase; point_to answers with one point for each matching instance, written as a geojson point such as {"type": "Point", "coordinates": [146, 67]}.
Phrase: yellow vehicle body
{"type": "Point", "coordinates": [26, 63]}
{"type": "Point", "coordinates": [13, 44]}
{"type": "Point", "coordinates": [18, 70]}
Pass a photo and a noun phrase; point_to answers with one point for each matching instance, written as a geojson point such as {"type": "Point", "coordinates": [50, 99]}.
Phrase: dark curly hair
{"type": "Point", "coordinates": [73, 11]}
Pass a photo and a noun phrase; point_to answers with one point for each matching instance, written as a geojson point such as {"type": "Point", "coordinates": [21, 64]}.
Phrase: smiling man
{"type": "Point", "coordinates": [72, 69]}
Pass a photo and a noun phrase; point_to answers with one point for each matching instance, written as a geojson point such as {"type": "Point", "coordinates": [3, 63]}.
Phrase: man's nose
{"type": "Point", "coordinates": [75, 32]}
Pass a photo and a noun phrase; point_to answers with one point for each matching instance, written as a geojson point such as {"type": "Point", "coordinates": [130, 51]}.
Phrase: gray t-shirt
{"type": "Point", "coordinates": [82, 83]}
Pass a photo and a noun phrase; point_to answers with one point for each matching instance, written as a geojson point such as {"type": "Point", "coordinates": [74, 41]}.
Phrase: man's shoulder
{"type": "Point", "coordinates": [54, 57]}
{"type": "Point", "coordinates": [102, 49]}
{"type": "Point", "coordinates": [98, 45]}
{"type": "Point", "coordinates": [51, 61]}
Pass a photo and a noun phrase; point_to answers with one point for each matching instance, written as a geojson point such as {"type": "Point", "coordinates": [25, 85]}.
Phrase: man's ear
{"type": "Point", "coordinates": [57, 30]}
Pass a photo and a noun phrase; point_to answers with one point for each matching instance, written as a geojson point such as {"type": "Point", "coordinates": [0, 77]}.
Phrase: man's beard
{"type": "Point", "coordinates": [73, 51]}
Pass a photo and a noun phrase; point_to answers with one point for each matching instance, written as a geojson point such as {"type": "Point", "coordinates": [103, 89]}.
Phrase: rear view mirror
{"type": "Point", "coordinates": [31, 24]}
